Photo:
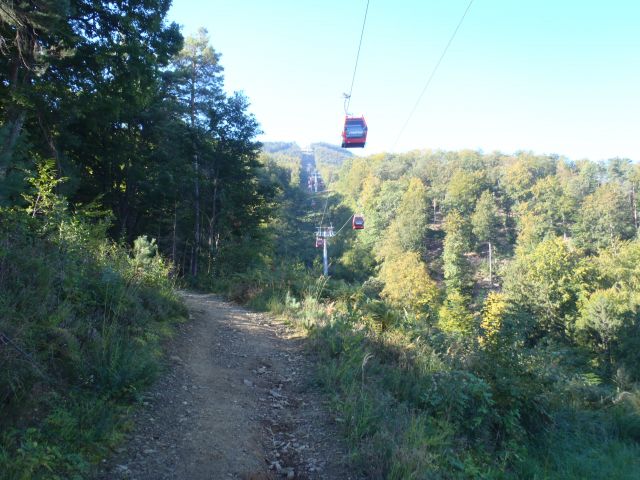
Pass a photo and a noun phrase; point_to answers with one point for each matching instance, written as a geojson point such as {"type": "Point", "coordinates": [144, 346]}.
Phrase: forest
{"type": "Point", "coordinates": [484, 324]}
{"type": "Point", "coordinates": [125, 170]}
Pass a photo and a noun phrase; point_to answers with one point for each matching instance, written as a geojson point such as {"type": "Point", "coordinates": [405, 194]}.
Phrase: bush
{"type": "Point", "coordinates": [81, 320]}
{"type": "Point", "coordinates": [415, 403]}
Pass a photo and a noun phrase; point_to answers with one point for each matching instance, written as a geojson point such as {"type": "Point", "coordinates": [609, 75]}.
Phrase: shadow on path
{"type": "Point", "coordinates": [236, 402]}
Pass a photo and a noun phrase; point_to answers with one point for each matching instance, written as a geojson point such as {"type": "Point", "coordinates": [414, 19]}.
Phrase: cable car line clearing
{"type": "Point", "coordinates": [326, 200]}
{"type": "Point", "coordinates": [433, 72]}
{"type": "Point", "coordinates": [324, 209]}
{"type": "Point", "coordinates": [354, 134]}
{"type": "Point", "coordinates": [352, 216]}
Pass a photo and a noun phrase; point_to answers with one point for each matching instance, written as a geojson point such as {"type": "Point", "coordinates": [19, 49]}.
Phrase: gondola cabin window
{"type": "Point", "coordinates": [354, 133]}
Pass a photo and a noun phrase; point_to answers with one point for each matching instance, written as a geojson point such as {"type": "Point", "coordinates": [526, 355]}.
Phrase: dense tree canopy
{"type": "Point", "coordinates": [556, 231]}
{"type": "Point", "coordinates": [136, 119]}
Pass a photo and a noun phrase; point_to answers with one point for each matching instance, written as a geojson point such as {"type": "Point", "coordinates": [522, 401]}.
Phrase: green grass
{"type": "Point", "coordinates": [583, 446]}
{"type": "Point", "coordinates": [86, 319]}
{"type": "Point", "coordinates": [415, 404]}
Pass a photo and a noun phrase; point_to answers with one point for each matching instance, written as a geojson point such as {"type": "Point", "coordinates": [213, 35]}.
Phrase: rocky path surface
{"type": "Point", "coordinates": [236, 402]}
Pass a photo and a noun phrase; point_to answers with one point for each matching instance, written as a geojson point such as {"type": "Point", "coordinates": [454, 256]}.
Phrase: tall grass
{"type": "Point", "coordinates": [84, 319]}
{"type": "Point", "coordinates": [414, 403]}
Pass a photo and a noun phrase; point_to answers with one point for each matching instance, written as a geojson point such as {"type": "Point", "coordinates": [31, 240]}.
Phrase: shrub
{"type": "Point", "coordinates": [81, 320]}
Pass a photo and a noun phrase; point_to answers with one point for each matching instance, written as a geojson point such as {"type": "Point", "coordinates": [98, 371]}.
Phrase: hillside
{"type": "Point", "coordinates": [325, 154]}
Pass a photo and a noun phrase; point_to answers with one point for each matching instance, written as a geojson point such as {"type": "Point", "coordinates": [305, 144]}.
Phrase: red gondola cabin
{"type": "Point", "coordinates": [319, 242]}
{"type": "Point", "coordinates": [354, 133]}
{"type": "Point", "coordinates": [358, 222]}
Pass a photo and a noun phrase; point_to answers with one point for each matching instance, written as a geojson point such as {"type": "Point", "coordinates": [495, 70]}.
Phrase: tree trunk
{"type": "Point", "coordinates": [490, 266]}
{"type": "Point", "coordinates": [212, 222]}
{"type": "Point", "coordinates": [9, 144]}
{"type": "Point", "coordinates": [634, 206]}
{"type": "Point", "coordinates": [15, 114]}
{"type": "Point", "coordinates": [196, 167]}
{"type": "Point", "coordinates": [173, 239]}
{"type": "Point", "coordinates": [53, 151]}
{"type": "Point", "coordinates": [435, 204]}
{"type": "Point", "coordinates": [194, 270]}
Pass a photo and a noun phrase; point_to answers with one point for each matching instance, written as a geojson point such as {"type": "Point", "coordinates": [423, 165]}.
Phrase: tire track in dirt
{"type": "Point", "coordinates": [237, 401]}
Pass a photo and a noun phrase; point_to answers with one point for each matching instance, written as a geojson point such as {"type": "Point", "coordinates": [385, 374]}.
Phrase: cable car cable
{"type": "Point", "coordinates": [433, 72]}
{"type": "Point", "coordinates": [345, 224]}
{"type": "Point", "coordinates": [347, 98]}
{"type": "Point", "coordinates": [326, 200]}
{"type": "Point", "coordinates": [324, 209]}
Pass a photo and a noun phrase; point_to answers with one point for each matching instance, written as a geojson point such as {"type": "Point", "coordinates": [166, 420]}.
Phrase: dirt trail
{"type": "Point", "coordinates": [237, 402]}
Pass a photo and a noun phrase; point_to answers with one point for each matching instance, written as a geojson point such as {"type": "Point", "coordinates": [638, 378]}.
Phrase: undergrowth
{"type": "Point", "coordinates": [81, 325]}
{"type": "Point", "coordinates": [416, 403]}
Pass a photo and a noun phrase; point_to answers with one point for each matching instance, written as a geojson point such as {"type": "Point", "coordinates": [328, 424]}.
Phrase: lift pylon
{"type": "Point", "coordinates": [323, 234]}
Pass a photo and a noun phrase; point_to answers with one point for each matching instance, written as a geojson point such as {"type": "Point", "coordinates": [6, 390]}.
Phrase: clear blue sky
{"type": "Point", "coordinates": [552, 76]}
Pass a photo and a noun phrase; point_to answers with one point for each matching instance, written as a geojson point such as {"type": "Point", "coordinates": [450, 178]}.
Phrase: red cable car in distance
{"type": "Point", "coordinates": [354, 133]}
{"type": "Point", "coordinates": [358, 222]}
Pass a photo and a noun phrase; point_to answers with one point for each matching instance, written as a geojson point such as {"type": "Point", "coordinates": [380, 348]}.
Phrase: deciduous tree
{"type": "Point", "coordinates": [457, 242]}
{"type": "Point", "coordinates": [485, 222]}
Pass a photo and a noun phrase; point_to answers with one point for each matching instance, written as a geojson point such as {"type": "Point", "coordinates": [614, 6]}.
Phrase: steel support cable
{"type": "Point", "coordinates": [324, 209]}
{"type": "Point", "coordinates": [347, 101]}
{"type": "Point", "coordinates": [345, 224]}
{"type": "Point", "coordinates": [433, 72]}
{"type": "Point", "coordinates": [327, 199]}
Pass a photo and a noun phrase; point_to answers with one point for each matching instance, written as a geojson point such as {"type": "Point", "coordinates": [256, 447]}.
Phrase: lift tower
{"type": "Point", "coordinates": [322, 236]}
